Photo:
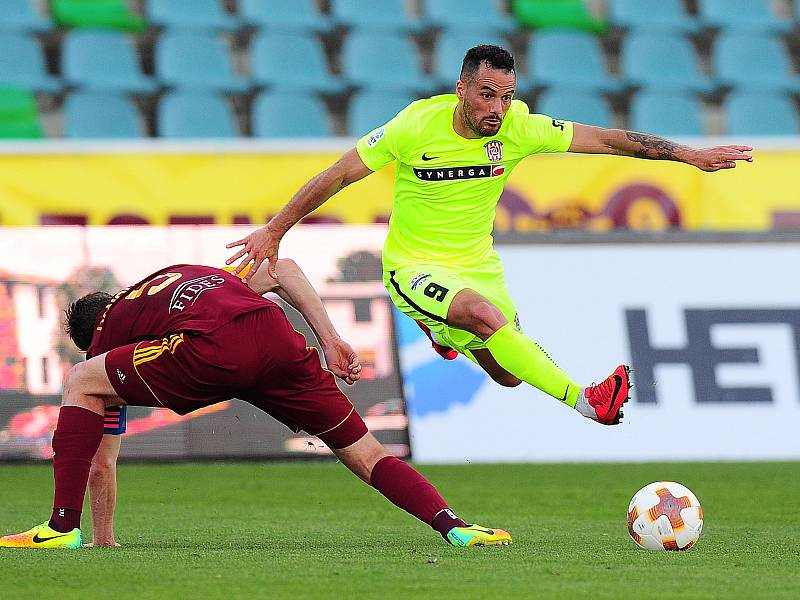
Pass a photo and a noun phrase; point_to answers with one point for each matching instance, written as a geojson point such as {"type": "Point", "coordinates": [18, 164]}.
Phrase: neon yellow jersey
{"type": "Point", "coordinates": [447, 187]}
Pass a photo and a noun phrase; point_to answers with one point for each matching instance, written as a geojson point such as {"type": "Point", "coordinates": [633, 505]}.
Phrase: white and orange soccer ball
{"type": "Point", "coordinates": [665, 516]}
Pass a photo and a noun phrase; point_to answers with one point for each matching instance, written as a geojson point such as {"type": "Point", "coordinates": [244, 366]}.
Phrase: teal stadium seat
{"type": "Point", "coordinates": [662, 61]}
{"type": "Point", "coordinates": [277, 115]}
{"type": "Point", "coordinates": [22, 15]}
{"type": "Point", "coordinates": [568, 59]}
{"type": "Point", "coordinates": [291, 61]}
{"type": "Point", "coordinates": [191, 14]}
{"type": "Point", "coordinates": [450, 51]}
{"type": "Point", "coordinates": [480, 15]}
{"type": "Point", "coordinates": [666, 114]}
{"type": "Point", "coordinates": [369, 15]}
{"type": "Point", "coordinates": [385, 61]}
{"type": "Point", "coordinates": [22, 64]}
{"type": "Point", "coordinates": [651, 15]}
{"type": "Point", "coordinates": [372, 109]}
{"type": "Point", "coordinates": [297, 15]}
{"type": "Point", "coordinates": [741, 15]}
{"type": "Point", "coordinates": [103, 60]}
{"type": "Point", "coordinates": [100, 115]}
{"type": "Point", "coordinates": [750, 61]}
{"type": "Point", "coordinates": [197, 60]}
{"type": "Point", "coordinates": [760, 113]}
{"type": "Point", "coordinates": [568, 105]}
{"type": "Point", "coordinates": [195, 115]}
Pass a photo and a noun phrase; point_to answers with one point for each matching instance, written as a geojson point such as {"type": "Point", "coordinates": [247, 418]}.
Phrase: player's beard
{"type": "Point", "coordinates": [475, 126]}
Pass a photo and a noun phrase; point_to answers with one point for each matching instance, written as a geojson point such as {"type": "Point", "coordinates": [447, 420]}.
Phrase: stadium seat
{"type": "Point", "coordinates": [372, 109]}
{"type": "Point", "coordinates": [666, 114]}
{"type": "Point", "coordinates": [450, 51]}
{"type": "Point", "coordinates": [196, 60]}
{"type": "Point", "coordinates": [285, 116]}
{"type": "Point", "coordinates": [19, 114]}
{"type": "Point", "coordinates": [386, 15]}
{"type": "Point", "coordinates": [22, 64]}
{"type": "Point", "coordinates": [191, 14]}
{"type": "Point", "coordinates": [103, 60]}
{"type": "Point", "coordinates": [100, 115]}
{"type": "Point", "coordinates": [112, 14]}
{"type": "Point", "coordinates": [750, 61]}
{"type": "Point", "coordinates": [292, 61]}
{"type": "Point", "coordinates": [458, 15]}
{"type": "Point", "coordinates": [383, 61]}
{"type": "Point", "coordinates": [651, 15]}
{"type": "Point", "coordinates": [571, 59]}
{"type": "Point", "coordinates": [558, 14]}
{"type": "Point", "coordinates": [741, 15]}
{"type": "Point", "coordinates": [21, 15]}
{"type": "Point", "coordinates": [195, 115]}
{"type": "Point", "coordinates": [297, 15]}
{"type": "Point", "coordinates": [759, 113]}
{"type": "Point", "coordinates": [570, 106]}
{"type": "Point", "coordinates": [662, 61]}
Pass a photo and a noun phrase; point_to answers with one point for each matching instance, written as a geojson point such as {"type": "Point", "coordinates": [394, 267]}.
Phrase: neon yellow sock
{"type": "Point", "coordinates": [524, 358]}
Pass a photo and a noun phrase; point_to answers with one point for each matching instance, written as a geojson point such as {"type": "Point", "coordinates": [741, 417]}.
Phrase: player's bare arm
{"type": "Point", "coordinates": [295, 289]}
{"type": "Point", "coordinates": [103, 491]}
{"type": "Point", "coordinates": [588, 139]}
{"type": "Point", "coordinates": [263, 243]}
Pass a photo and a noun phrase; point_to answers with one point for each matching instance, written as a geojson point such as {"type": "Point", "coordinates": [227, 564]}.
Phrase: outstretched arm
{"type": "Point", "coordinates": [263, 243]}
{"type": "Point", "coordinates": [294, 288]}
{"type": "Point", "coordinates": [103, 491]}
{"type": "Point", "coordinates": [587, 139]}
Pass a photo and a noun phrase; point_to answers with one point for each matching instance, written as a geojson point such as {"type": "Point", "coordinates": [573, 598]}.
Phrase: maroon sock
{"type": "Point", "coordinates": [409, 490]}
{"type": "Point", "coordinates": [76, 439]}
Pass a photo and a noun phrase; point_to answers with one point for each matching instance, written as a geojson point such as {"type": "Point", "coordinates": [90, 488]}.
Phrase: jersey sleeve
{"type": "Point", "coordinates": [540, 133]}
{"type": "Point", "coordinates": [383, 145]}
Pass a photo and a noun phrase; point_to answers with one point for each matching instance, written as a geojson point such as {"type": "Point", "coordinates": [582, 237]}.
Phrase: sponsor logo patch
{"type": "Point", "coordinates": [188, 292]}
{"type": "Point", "coordinates": [417, 280]}
{"type": "Point", "coordinates": [459, 173]}
{"type": "Point", "coordinates": [375, 137]}
{"type": "Point", "coordinates": [494, 150]}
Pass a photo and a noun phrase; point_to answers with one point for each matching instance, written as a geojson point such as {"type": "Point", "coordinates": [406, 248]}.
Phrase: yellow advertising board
{"type": "Point", "coordinates": [544, 192]}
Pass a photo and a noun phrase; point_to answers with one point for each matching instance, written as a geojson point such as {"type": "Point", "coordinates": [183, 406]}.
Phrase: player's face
{"type": "Point", "coordinates": [486, 99]}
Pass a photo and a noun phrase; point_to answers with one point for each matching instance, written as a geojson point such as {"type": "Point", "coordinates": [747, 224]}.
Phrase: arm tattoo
{"type": "Point", "coordinates": [653, 147]}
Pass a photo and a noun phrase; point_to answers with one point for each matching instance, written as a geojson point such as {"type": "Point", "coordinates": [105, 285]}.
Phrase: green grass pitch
{"type": "Point", "coordinates": [298, 530]}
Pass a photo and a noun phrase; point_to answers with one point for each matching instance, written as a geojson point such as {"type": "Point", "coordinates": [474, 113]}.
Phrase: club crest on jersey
{"type": "Point", "coordinates": [418, 280]}
{"type": "Point", "coordinates": [494, 150]}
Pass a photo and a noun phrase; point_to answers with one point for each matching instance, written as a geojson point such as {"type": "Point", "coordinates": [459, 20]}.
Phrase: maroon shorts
{"type": "Point", "coordinates": [258, 357]}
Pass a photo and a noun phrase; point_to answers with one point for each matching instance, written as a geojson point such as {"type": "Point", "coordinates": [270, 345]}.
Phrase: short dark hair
{"type": "Point", "coordinates": [494, 56]}
{"type": "Point", "coordinates": [81, 315]}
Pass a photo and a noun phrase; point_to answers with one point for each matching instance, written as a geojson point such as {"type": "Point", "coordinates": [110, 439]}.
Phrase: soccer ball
{"type": "Point", "coordinates": [665, 516]}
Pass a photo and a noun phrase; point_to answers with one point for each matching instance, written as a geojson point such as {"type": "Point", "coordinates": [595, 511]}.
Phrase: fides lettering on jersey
{"type": "Point", "coordinates": [188, 292]}
{"type": "Point", "coordinates": [459, 173]}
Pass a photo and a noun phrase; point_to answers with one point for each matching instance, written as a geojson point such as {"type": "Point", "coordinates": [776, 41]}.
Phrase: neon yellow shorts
{"type": "Point", "coordinates": [424, 293]}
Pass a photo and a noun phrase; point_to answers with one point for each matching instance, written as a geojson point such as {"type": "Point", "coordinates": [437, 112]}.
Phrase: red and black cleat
{"type": "Point", "coordinates": [445, 352]}
{"type": "Point", "coordinates": [608, 396]}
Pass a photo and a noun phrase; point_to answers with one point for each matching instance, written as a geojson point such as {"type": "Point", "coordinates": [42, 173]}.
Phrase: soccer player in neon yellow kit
{"type": "Point", "coordinates": [454, 154]}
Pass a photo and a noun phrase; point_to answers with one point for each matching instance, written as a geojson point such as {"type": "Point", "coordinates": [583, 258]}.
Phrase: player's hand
{"type": "Point", "coordinates": [259, 246]}
{"type": "Point", "coordinates": [342, 360]}
{"type": "Point", "coordinates": [719, 157]}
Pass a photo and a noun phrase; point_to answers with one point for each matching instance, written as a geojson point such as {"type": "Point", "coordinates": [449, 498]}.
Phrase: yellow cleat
{"type": "Point", "coordinates": [43, 536]}
{"type": "Point", "coordinates": [477, 535]}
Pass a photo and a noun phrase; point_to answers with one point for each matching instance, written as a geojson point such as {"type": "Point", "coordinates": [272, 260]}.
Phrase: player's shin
{"type": "Point", "coordinates": [409, 490]}
{"type": "Point", "coordinates": [75, 441]}
{"type": "Point", "coordinates": [525, 359]}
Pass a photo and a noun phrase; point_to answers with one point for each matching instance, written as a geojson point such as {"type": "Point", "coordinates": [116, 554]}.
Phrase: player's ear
{"type": "Point", "coordinates": [461, 88]}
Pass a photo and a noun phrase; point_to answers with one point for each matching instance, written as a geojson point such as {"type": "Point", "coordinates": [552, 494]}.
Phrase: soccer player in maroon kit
{"type": "Point", "coordinates": [189, 336]}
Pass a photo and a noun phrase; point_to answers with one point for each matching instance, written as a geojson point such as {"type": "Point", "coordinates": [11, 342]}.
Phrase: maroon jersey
{"type": "Point", "coordinates": [180, 298]}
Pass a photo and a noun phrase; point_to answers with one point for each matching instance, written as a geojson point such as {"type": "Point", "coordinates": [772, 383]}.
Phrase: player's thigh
{"type": "Point", "coordinates": [425, 294]}
{"type": "Point", "coordinates": [89, 379]}
{"type": "Point", "coordinates": [295, 389]}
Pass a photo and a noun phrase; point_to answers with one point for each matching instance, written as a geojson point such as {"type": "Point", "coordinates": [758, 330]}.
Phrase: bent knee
{"type": "Point", "coordinates": [507, 380]}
